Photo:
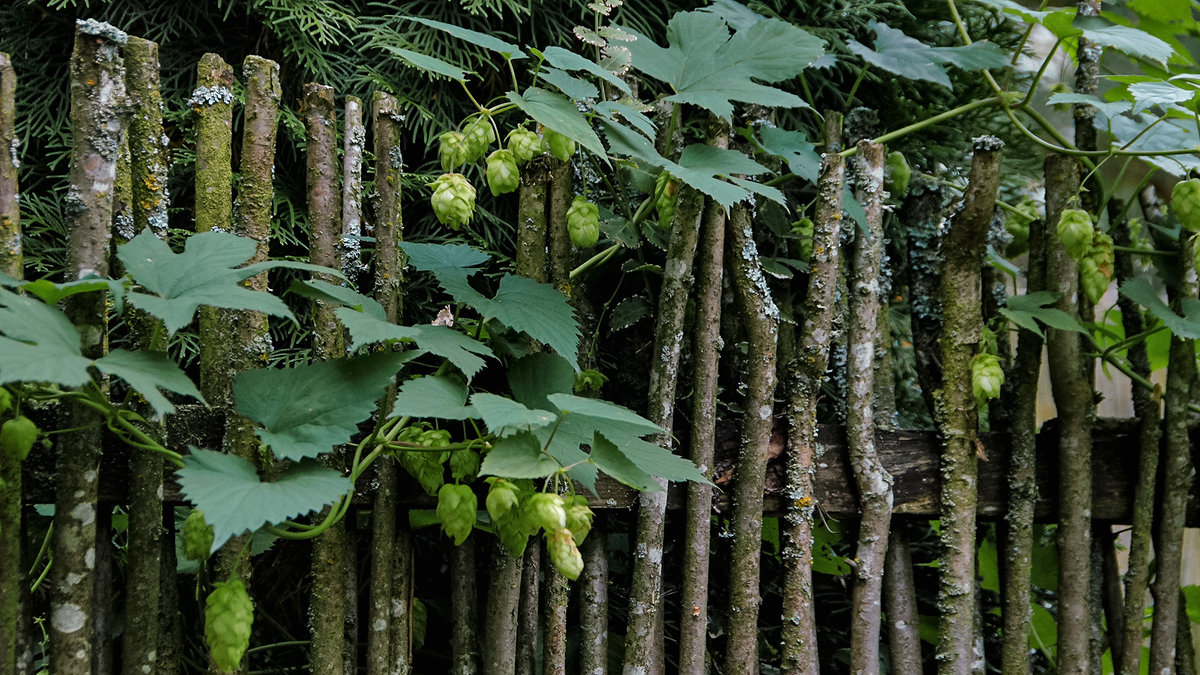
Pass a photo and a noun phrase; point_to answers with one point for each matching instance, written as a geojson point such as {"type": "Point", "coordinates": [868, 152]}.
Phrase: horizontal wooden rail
{"type": "Point", "coordinates": [910, 456]}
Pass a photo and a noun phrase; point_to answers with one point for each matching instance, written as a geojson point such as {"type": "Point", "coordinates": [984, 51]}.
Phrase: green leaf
{"type": "Point", "coordinates": [825, 558]}
{"type": "Point", "coordinates": [52, 293]}
{"type": "Point", "coordinates": [1186, 327]}
{"type": "Point", "coordinates": [518, 456]}
{"type": "Point", "coordinates": [1132, 134]}
{"type": "Point", "coordinates": [568, 60]}
{"type": "Point", "coordinates": [227, 489]}
{"type": "Point", "coordinates": [324, 291]}
{"type": "Point", "coordinates": [625, 141]}
{"type": "Point", "coordinates": [429, 63]}
{"type": "Point", "coordinates": [147, 372]}
{"type": "Point", "coordinates": [658, 461]}
{"type": "Point", "coordinates": [461, 350]}
{"type": "Point", "coordinates": [901, 55]}
{"type": "Point", "coordinates": [41, 344]}
{"type": "Point", "coordinates": [539, 310]}
{"type": "Point", "coordinates": [451, 264]}
{"type": "Point", "coordinates": [535, 376]}
{"type": "Point", "coordinates": [484, 40]}
{"type": "Point", "coordinates": [433, 396]}
{"type": "Point", "coordinates": [1159, 93]}
{"type": "Point", "coordinates": [1109, 109]}
{"type": "Point", "coordinates": [1125, 39]}
{"type": "Point", "coordinates": [979, 55]}
{"type": "Point", "coordinates": [505, 417]}
{"type": "Point", "coordinates": [561, 115]}
{"type": "Point", "coordinates": [709, 68]}
{"type": "Point", "coordinates": [307, 410]}
{"type": "Point", "coordinates": [801, 156]}
{"type": "Point", "coordinates": [1026, 310]}
{"type": "Point", "coordinates": [569, 84]}
{"type": "Point", "coordinates": [609, 459]}
{"type": "Point", "coordinates": [611, 109]}
{"type": "Point", "coordinates": [630, 421]}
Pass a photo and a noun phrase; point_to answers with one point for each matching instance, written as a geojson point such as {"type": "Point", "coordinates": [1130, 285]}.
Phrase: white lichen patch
{"type": "Point", "coordinates": [85, 513]}
{"type": "Point", "coordinates": [205, 96]}
{"type": "Point", "coordinates": [102, 30]}
{"type": "Point", "coordinates": [68, 618]}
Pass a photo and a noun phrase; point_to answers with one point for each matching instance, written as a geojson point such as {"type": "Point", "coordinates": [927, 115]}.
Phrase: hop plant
{"type": "Point", "coordinates": [897, 174]}
{"type": "Point", "coordinates": [579, 518]}
{"type": "Point", "coordinates": [666, 191]}
{"type": "Point", "coordinates": [1076, 232]}
{"type": "Point", "coordinates": [583, 223]}
{"type": "Point", "coordinates": [1185, 202]}
{"type": "Point", "coordinates": [546, 510]}
{"type": "Point", "coordinates": [502, 498]}
{"type": "Point", "coordinates": [464, 464]}
{"type": "Point", "coordinates": [453, 200]}
{"type": "Point", "coordinates": [564, 553]}
{"type": "Point", "coordinates": [987, 376]}
{"type": "Point", "coordinates": [452, 150]}
{"type": "Point", "coordinates": [560, 146]}
{"type": "Point", "coordinates": [456, 510]}
{"type": "Point", "coordinates": [228, 618]}
{"type": "Point", "coordinates": [479, 136]}
{"type": "Point", "coordinates": [197, 537]}
{"type": "Point", "coordinates": [524, 144]}
{"type": "Point", "coordinates": [803, 231]}
{"type": "Point", "coordinates": [502, 173]}
{"type": "Point", "coordinates": [17, 437]}
{"type": "Point", "coordinates": [1096, 268]}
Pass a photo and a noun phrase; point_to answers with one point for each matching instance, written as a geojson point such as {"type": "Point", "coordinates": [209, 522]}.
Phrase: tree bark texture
{"type": "Point", "coordinates": [900, 604]}
{"type": "Point", "coordinates": [527, 612]}
{"type": "Point", "coordinates": [955, 411]}
{"type": "Point", "coordinates": [645, 597]}
{"type": "Point", "coordinates": [1073, 399]}
{"type": "Point", "coordinates": [98, 121]}
{"type": "Point", "coordinates": [12, 576]}
{"type": "Point", "coordinates": [464, 613]}
{"type": "Point", "coordinates": [1022, 382]}
{"type": "Point", "coordinates": [1177, 471]}
{"type": "Point", "coordinates": [531, 219]}
{"type": "Point", "coordinates": [500, 620]}
{"type": "Point", "coordinates": [593, 601]}
{"type": "Point", "coordinates": [873, 481]}
{"type": "Point", "coordinates": [400, 626]}
{"type": "Point", "coordinates": [558, 240]}
{"type": "Point", "coordinates": [555, 594]}
{"type": "Point", "coordinates": [924, 221]}
{"type": "Point", "coordinates": [805, 374]}
{"type": "Point", "coordinates": [354, 143]}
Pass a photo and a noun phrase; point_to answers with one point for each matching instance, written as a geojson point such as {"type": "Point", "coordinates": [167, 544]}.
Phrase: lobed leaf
{"type": "Point", "coordinates": [147, 372]}
{"type": "Point", "coordinates": [433, 396]}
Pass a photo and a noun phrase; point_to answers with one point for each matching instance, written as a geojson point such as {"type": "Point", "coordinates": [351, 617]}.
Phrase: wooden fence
{"type": "Point", "coordinates": [362, 612]}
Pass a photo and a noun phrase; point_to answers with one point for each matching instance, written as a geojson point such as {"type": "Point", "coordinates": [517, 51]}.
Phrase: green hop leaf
{"type": "Point", "coordinates": [1096, 269]}
{"type": "Point", "coordinates": [1076, 232]}
{"type": "Point", "coordinates": [17, 437]}
{"type": "Point", "coordinates": [987, 376]}
{"type": "Point", "coordinates": [456, 510]}
{"type": "Point", "coordinates": [666, 195]}
{"type": "Point", "coordinates": [583, 223]}
{"type": "Point", "coordinates": [452, 149]}
{"type": "Point", "coordinates": [502, 173]}
{"type": "Point", "coordinates": [453, 200]}
{"type": "Point", "coordinates": [896, 174]}
{"type": "Point", "coordinates": [228, 618]}
{"type": "Point", "coordinates": [579, 518]}
{"type": "Point", "coordinates": [564, 553]}
{"type": "Point", "coordinates": [560, 146]}
{"type": "Point", "coordinates": [197, 537]}
{"type": "Point", "coordinates": [524, 144]}
{"type": "Point", "coordinates": [803, 231]}
{"type": "Point", "coordinates": [546, 511]}
{"type": "Point", "coordinates": [1185, 202]}
{"type": "Point", "coordinates": [479, 135]}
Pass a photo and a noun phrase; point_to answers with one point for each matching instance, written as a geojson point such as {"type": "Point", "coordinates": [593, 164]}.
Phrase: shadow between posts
{"type": "Point", "coordinates": [910, 456]}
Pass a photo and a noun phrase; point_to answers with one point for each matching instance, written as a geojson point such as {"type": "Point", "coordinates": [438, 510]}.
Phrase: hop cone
{"type": "Point", "coordinates": [502, 173]}
{"type": "Point", "coordinates": [456, 511]}
{"type": "Point", "coordinates": [560, 146]}
{"type": "Point", "coordinates": [524, 145]}
{"type": "Point", "coordinates": [579, 518]}
{"type": "Point", "coordinates": [666, 192]}
{"type": "Point", "coordinates": [1185, 201]}
{"type": "Point", "coordinates": [479, 135]}
{"type": "Point", "coordinates": [583, 223]}
{"type": "Point", "coordinates": [228, 617]}
{"type": "Point", "coordinates": [546, 510]}
{"type": "Point", "coordinates": [453, 200]}
{"type": "Point", "coordinates": [1075, 230]}
{"type": "Point", "coordinates": [17, 437]}
{"type": "Point", "coordinates": [1096, 269]}
{"type": "Point", "coordinates": [898, 173]}
{"type": "Point", "coordinates": [987, 376]}
{"type": "Point", "coordinates": [452, 149]}
{"type": "Point", "coordinates": [803, 229]}
{"type": "Point", "coordinates": [564, 553]}
{"type": "Point", "coordinates": [197, 537]}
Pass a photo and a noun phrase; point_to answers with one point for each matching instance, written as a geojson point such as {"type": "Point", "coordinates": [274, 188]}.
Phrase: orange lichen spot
{"type": "Point", "coordinates": [803, 502]}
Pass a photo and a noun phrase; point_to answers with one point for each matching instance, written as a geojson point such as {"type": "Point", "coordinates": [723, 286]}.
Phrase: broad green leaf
{"type": "Point", "coordinates": [608, 459]}
{"type": "Point", "coordinates": [1149, 94]}
{"type": "Point", "coordinates": [611, 109]}
{"type": "Point", "coordinates": [737, 15]}
{"type": "Point", "coordinates": [1166, 135]}
{"type": "Point", "coordinates": [535, 376]}
{"type": "Point", "coordinates": [147, 372]}
{"type": "Point", "coordinates": [428, 63]}
{"type": "Point", "coordinates": [505, 417]}
{"type": "Point", "coordinates": [625, 141]}
{"type": "Point", "coordinates": [204, 274]}
{"type": "Point", "coordinates": [901, 55]}
{"type": "Point", "coordinates": [561, 115]}
{"type": "Point", "coordinates": [801, 156]}
{"type": "Point", "coordinates": [52, 293]}
{"type": "Point", "coordinates": [539, 310]}
{"type": "Point", "coordinates": [1165, 11]}
{"type": "Point", "coordinates": [518, 456]}
{"type": "Point", "coordinates": [309, 409]}
{"type": "Point", "coordinates": [452, 264]}
{"type": "Point", "coordinates": [1125, 39]}
{"type": "Point", "coordinates": [1026, 310]}
{"type": "Point", "coordinates": [568, 60]}
{"type": "Point", "coordinates": [825, 558]}
{"type": "Point", "coordinates": [569, 84]}
{"type": "Point", "coordinates": [8, 282]}
{"type": "Point", "coordinates": [1187, 326]}
{"type": "Point", "coordinates": [227, 489]}
{"type": "Point", "coordinates": [658, 461]}
{"type": "Point", "coordinates": [433, 396]}
{"type": "Point", "coordinates": [710, 68]}
{"type": "Point", "coordinates": [1017, 9]}
{"type": "Point", "coordinates": [461, 350]}
{"type": "Point", "coordinates": [630, 421]}
{"type": "Point", "coordinates": [41, 344]}
{"type": "Point", "coordinates": [1108, 109]}
{"type": "Point", "coordinates": [484, 40]}
{"type": "Point", "coordinates": [979, 55]}
{"type": "Point", "coordinates": [317, 289]}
